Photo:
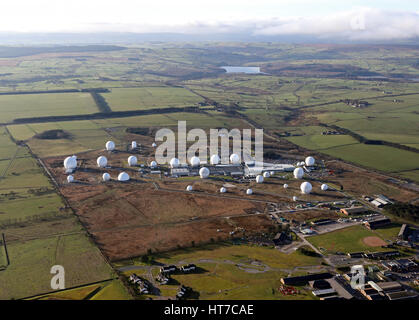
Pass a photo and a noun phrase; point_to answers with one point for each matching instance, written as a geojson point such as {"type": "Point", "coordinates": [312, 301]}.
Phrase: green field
{"type": "Point", "coordinates": [109, 290]}
{"type": "Point", "coordinates": [31, 261]}
{"type": "Point", "coordinates": [127, 99]}
{"type": "Point", "coordinates": [233, 271]}
{"type": "Point", "coordinates": [346, 240]}
{"type": "Point", "coordinates": [41, 105]}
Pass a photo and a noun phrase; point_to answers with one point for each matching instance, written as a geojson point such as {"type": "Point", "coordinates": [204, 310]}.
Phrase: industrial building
{"type": "Point", "coordinates": [354, 210]}
{"type": "Point", "coordinates": [377, 223]}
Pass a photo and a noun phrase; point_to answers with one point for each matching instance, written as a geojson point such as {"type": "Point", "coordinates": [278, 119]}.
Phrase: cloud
{"type": "Point", "coordinates": [246, 18]}
{"type": "Point", "coordinates": [361, 24]}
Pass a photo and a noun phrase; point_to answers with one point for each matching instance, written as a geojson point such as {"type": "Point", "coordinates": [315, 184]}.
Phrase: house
{"type": "Point", "coordinates": [182, 293]}
{"type": "Point", "coordinates": [143, 285]}
{"type": "Point", "coordinates": [353, 210]}
{"type": "Point", "coordinates": [163, 279]}
{"type": "Point", "coordinates": [168, 269]}
{"type": "Point", "coordinates": [188, 268]}
{"type": "Point", "coordinates": [377, 223]}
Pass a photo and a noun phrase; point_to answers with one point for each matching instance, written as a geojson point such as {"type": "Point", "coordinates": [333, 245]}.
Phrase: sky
{"type": "Point", "coordinates": [352, 20]}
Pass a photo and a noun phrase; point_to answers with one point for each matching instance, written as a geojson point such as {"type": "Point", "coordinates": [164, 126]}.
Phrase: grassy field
{"type": "Point", "coordinates": [31, 261]}
{"type": "Point", "coordinates": [39, 105]}
{"type": "Point", "coordinates": [127, 99]}
{"type": "Point", "coordinates": [233, 271]}
{"type": "Point", "coordinates": [346, 240]}
{"type": "Point", "coordinates": [93, 134]}
{"type": "Point", "coordinates": [109, 290]}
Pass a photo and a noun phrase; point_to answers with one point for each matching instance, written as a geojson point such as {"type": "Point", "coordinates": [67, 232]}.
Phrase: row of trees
{"type": "Point", "coordinates": [403, 210]}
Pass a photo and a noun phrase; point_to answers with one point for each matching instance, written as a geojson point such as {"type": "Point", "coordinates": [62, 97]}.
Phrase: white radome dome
{"type": "Point", "coordinates": [285, 186]}
{"type": "Point", "coordinates": [153, 164]}
{"type": "Point", "coordinates": [223, 190]}
{"type": "Point", "coordinates": [133, 145]}
{"type": "Point", "coordinates": [102, 162]}
{"type": "Point", "coordinates": [298, 173]}
{"type": "Point", "coordinates": [110, 145]}
{"type": "Point", "coordinates": [235, 159]}
{"type": "Point", "coordinates": [306, 187]}
{"type": "Point", "coordinates": [70, 179]}
{"type": "Point", "coordinates": [204, 172]}
{"type": "Point", "coordinates": [194, 161]}
{"type": "Point", "coordinates": [106, 176]}
{"type": "Point", "coordinates": [189, 188]}
{"type": "Point", "coordinates": [259, 179]}
{"type": "Point", "coordinates": [324, 187]}
{"type": "Point", "coordinates": [154, 145]}
{"type": "Point", "coordinates": [249, 191]}
{"type": "Point", "coordinates": [266, 174]}
{"type": "Point", "coordinates": [215, 159]}
{"type": "Point", "coordinates": [70, 163]}
{"type": "Point", "coordinates": [310, 161]}
{"type": "Point", "coordinates": [132, 161]}
{"type": "Point", "coordinates": [123, 176]}
{"type": "Point", "coordinates": [174, 163]}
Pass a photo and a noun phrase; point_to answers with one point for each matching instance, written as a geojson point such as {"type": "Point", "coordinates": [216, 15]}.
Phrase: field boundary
{"type": "Point", "coordinates": [71, 288]}
{"type": "Point", "coordinates": [105, 115]}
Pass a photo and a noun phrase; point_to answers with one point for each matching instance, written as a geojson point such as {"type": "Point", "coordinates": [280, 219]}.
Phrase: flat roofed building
{"type": "Point", "coordinates": [306, 279]}
{"type": "Point", "coordinates": [179, 172]}
{"type": "Point", "coordinates": [324, 292]}
{"type": "Point", "coordinates": [353, 210]}
{"type": "Point", "coordinates": [378, 223]}
{"type": "Point", "coordinates": [402, 295]}
{"type": "Point", "coordinates": [388, 286]}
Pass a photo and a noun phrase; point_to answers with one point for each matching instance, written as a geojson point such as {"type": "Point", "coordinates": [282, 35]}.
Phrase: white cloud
{"type": "Point", "coordinates": [361, 24]}
{"type": "Point", "coordinates": [326, 19]}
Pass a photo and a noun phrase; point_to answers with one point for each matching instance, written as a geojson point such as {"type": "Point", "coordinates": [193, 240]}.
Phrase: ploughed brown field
{"type": "Point", "coordinates": [127, 219]}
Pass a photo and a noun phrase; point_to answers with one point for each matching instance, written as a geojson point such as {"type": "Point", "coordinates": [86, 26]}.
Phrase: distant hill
{"type": "Point", "coordinates": [13, 52]}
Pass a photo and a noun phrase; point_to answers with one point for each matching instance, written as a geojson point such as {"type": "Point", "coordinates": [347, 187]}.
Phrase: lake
{"type": "Point", "coordinates": [230, 69]}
